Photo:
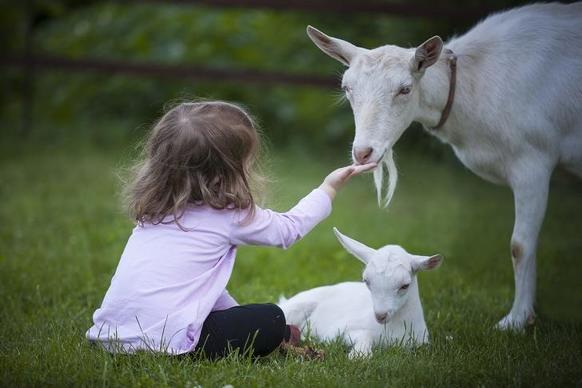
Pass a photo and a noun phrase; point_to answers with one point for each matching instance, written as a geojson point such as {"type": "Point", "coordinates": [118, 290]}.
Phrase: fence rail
{"type": "Point", "coordinates": [167, 70]}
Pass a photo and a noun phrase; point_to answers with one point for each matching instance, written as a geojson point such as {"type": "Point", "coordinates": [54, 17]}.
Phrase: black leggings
{"type": "Point", "coordinates": [257, 329]}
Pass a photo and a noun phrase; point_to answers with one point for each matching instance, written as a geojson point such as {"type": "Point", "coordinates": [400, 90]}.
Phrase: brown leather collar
{"type": "Point", "coordinates": [453, 83]}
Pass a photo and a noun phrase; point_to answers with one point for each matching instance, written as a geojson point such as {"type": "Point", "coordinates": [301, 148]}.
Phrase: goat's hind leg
{"type": "Point", "coordinates": [530, 191]}
{"type": "Point", "coordinates": [298, 308]}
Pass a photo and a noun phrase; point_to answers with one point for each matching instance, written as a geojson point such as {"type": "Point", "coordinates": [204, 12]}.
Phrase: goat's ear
{"type": "Point", "coordinates": [336, 48]}
{"type": "Point", "coordinates": [427, 54]}
{"type": "Point", "coordinates": [360, 251]}
{"type": "Point", "coordinates": [426, 263]}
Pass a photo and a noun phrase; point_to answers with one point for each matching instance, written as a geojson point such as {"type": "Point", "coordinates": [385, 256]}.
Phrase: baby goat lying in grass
{"type": "Point", "coordinates": [383, 309]}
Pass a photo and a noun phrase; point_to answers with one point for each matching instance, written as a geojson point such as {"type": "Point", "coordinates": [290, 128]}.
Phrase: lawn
{"type": "Point", "coordinates": [62, 232]}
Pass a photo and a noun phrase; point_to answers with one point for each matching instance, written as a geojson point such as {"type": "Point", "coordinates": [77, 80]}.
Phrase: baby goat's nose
{"type": "Point", "coordinates": [362, 154]}
{"type": "Point", "coordinates": [381, 317]}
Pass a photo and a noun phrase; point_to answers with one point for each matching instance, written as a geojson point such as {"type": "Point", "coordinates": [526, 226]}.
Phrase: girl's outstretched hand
{"type": "Point", "coordinates": [338, 178]}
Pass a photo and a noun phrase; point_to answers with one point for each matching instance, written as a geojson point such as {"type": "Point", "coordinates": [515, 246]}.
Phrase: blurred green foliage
{"type": "Point", "coordinates": [86, 103]}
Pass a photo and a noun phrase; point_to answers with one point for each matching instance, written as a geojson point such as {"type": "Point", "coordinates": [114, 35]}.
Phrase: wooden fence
{"type": "Point", "coordinates": [30, 63]}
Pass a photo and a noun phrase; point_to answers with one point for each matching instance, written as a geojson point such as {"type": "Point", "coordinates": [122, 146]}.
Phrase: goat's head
{"type": "Point", "coordinates": [382, 88]}
{"type": "Point", "coordinates": [389, 273]}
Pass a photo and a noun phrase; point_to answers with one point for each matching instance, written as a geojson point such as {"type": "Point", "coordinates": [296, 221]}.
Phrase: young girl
{"type": "Point", "coordinates": [193, 203]}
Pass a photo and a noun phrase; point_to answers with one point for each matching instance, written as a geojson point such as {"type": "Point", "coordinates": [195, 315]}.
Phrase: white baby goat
{"type": "Point", "coordinates": [383, 309]}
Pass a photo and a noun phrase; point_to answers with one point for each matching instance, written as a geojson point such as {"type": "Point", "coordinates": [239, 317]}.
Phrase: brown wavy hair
{"type": "Point", "coordinates": [197, 153]}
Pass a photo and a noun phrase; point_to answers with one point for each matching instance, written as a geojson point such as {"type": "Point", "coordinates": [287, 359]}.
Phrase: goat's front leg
{"type": "Point", "coordinates": [361, 345]}
{"type": "Point", "coordinates": [530, 191]}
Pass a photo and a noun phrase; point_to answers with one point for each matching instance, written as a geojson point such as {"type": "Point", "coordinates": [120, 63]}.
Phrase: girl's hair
{"type": "Point", "coordinates": [197, 153]}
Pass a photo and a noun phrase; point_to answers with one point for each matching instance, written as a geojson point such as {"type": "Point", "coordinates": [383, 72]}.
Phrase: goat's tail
{"type": "Point", "coordinates": [297, 309]}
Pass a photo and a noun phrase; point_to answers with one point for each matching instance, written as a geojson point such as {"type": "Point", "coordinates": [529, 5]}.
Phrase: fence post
{"type": "Point", "coordinates": [27, 108]}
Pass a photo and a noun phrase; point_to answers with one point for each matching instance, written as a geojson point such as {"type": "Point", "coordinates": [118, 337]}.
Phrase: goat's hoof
{"type": "Point", "coordinates": [509, 323]}
{"type": "Point", "coordinates": [518, 324]}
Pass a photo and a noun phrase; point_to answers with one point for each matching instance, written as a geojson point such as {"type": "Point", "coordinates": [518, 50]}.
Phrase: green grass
{"type": "Point", "coordinates": [62, 231]}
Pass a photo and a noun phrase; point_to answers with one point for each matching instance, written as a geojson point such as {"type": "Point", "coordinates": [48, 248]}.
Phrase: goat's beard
{"type": "Point", "coordinates": [386, 167]}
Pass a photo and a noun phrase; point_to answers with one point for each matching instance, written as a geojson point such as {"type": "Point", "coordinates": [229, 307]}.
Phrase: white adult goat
{"type": "Point", "coordinates": [515, 116]}
{"type": "Point", "coordinates": [384, 308]}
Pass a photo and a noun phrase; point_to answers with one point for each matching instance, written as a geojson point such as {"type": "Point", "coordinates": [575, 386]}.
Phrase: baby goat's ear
{"type": "Point", "coordinates": [426, 263]}
{"type": "Point", "coordinates": [360, 251]}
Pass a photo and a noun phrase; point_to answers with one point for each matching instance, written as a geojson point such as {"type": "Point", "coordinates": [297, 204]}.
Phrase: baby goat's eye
{"type": "Point", "coordinates": [366, 281]}
{"type": "Point", "coordinates": [347, 90]}
{"type": "Point", "coordinates": [404, 287]}
{"type": "Point", "coordinates": [404, 90]}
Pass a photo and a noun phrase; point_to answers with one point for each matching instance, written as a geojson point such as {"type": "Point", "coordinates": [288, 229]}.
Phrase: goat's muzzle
{"type": "Point", "coordinates": [381, 318]}
{"type": "Point", "coordinates": [362, 154]}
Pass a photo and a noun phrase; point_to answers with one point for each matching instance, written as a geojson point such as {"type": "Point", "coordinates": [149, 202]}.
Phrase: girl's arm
{"type": "Point", "coordinates": [271, 228]}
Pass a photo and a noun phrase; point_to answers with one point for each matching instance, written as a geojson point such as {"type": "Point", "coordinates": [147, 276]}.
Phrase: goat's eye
{"type": "Point", "coordinates": [347, 90]}
{"type": "Point", "coordinates": [404, 90]}
{"type": "Point", "coordinates": [404, 287]}
{"type": "Point", "coordinates": [367, 282]}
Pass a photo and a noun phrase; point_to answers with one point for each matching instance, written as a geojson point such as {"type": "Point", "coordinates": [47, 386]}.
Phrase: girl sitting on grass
{"type": "Point", "coordinates": [194, 204]}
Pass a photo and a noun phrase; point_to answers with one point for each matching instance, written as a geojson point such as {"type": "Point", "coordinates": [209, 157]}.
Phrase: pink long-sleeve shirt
{"type": "Point", "coordinates": [169, 280]}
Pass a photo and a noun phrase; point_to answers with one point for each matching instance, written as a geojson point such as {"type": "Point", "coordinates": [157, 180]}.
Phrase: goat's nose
{"type": "Point", "coordinates": [362, 154]}
{"type": "Point", "coordinates": [381, 317]}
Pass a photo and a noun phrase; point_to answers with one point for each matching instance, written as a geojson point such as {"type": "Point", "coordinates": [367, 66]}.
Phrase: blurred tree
{"type": "Point", "coordinates": [212, 37]}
